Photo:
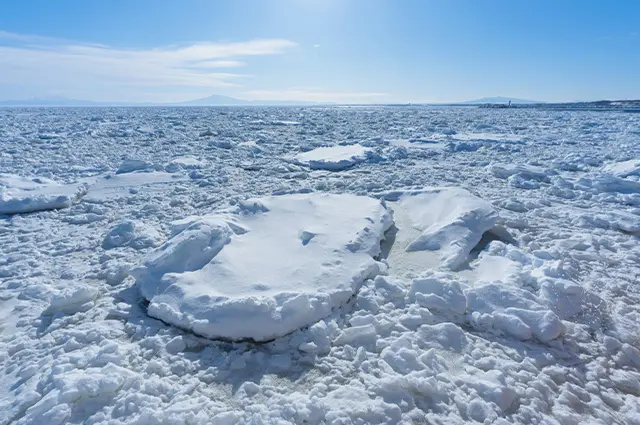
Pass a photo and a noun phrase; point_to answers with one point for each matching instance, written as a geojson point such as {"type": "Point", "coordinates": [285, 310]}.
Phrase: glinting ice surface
{"type": "Point", "coordinates": [266, 268]}
{"type": "Point", "coordinates": [542, 329]}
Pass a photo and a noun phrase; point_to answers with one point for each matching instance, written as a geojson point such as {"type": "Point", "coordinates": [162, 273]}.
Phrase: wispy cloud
{"type": "Point", "coordinates": [60, 65]}
{"type": "Point", "coordinates": [316, 95]}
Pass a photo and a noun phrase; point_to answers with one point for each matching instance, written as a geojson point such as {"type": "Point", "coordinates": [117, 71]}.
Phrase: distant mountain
{"type": "Point", "coordinates": [213, 100]}
{"type": "Point", "coordinates": [219, 100]}
{"type": "Point", "coordinates": [499, 99]}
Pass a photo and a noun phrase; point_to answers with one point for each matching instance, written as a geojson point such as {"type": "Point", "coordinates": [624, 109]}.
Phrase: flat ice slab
{"type": "Point", "coordinates": [31, 194]}
{"type": "Point", "coordinates": [333, 158]}
{"type": "Point", "coordinates": [624, 168]}
{"type": "Point", "coordinates": [266, 267]}
{"type": "Point", "coordinates": [446, 221]}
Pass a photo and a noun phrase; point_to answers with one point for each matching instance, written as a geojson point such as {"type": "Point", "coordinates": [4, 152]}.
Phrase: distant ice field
{"type": "Point", "coordinates": [321, 265]}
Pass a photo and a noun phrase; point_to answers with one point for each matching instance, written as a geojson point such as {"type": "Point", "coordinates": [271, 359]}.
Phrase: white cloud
{"type": "Point", "coordinates": [314, 95]}
{"type": "Point", "coordinates": [51, 64]}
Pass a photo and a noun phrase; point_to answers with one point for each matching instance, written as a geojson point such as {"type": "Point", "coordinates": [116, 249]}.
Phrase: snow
{"type": "Point", "coordinates": [24, 195]}
{"type": "Point", "coordinates": [534, 323]}
{"type": "Point", "coordinates": [333, 158]}
{"type": "Point", "coordinates": [266, 268]}
{"type": "Point", "coordinates": [450, 221]}
{"type": "Point", "coordinates": [623, 168]}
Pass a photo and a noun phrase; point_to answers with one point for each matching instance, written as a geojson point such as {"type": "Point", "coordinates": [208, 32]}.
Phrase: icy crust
{"type": "Point", "coordinates": [333, 158]}
{"type": "Point", "coordinates": [266, 268]}
{"type": "Point", "coordinates": [24, 195]}
{"type": "Point", "coordinates": [451, 221]}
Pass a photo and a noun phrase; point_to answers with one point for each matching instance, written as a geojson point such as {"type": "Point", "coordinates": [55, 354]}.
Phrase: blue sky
{"type": "Point", "coordinates": [352, 51]}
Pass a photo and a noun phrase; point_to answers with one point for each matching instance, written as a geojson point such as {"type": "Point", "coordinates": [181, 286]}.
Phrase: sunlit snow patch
{"type": "Point", "coordinates": [333, 158]}
{"type": "Point", "coordinates": [419, 143]}
{"type": "Point", "coordinates": [109, 186]}
{"type": "Point", "coordinates": [266, 267]}
{"type": "Point", "coordinates": [489, 137]}
{"type": "Point", "coordinates": [448, 222]}
{"type": "Point", "coordinates": [624, 168]}
{"type": "Point", "coordinates": [23, 195]}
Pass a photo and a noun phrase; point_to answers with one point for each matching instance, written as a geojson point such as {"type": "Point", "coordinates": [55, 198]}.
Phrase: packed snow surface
{"type": "Point", "coordinates": [333, 158]}
{"type": "Point", "coordinates": [536, 323]}
{"type": "Point", "coordinates": [266, 268]}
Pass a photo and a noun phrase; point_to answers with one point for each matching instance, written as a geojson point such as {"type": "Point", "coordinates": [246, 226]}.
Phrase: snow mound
{"type": "Point", "coordinates": [448, 220]}
{"type": "Point", "coordinates": [187, 162]}
{"type": "Point", "coordinates": [133, 234]}
{"type": "Point", "coordinates": [24, 195]}
{"type": "Point", "coordinates": [131, 165]}
{"type": "Point", "coordinates": [523, 171]}
{"type": "Point", "coordinates": [624, 168]}
{"type": "Point", "coordinates": [606, 183]}
{"type": "Point", "coordinates": [266, 267]}
{"type": "Point", "coordinates": [334, 158]}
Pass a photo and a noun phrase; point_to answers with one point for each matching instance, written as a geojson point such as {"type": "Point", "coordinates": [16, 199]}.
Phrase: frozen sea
{"type": "Point", "coordinates": [319, 265]}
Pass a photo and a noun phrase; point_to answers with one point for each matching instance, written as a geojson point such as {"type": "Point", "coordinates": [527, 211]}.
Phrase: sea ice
{"type": "Point", "coordinates": [333, 158]}
{"type": "Point", "coordinates": [448, 220]}
{"type": "Point", "coordinates": [267, 267]}
{"type": "Point", "coordinates": [24, 195]}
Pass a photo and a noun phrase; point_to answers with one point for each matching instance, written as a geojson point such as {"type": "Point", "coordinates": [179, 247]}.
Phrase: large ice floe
{"type": "Point", "coordinates": [333, 158]}
{"type": "Point", "coordinates": [447, 222]}
{"type": "Point", "coordinates": [23, 195]}
{"type": "Point", "coordinates": [265, 268]}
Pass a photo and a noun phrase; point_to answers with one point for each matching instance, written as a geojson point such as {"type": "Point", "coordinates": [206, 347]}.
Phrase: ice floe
{"type": "Point", "coordinates": [333, 158]}
{"type": "Point", "coordinates": [266, 268]}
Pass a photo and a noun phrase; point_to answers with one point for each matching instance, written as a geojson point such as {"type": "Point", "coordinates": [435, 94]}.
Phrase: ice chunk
{"type": "Point", "coordinates": [255, 272]}
{"type": "Point", "coordinates": [333, 158]}
{"type": "Point", "coordinates": [449, 220]}
{"type": "Point", "coordinates": [24, 195]}
{"type": "Point", "coordinates": [524, 171]}
{"type": "Point", "coordinates": [438, 292]}
{"type": "Point", "coordinates": [608, 183]}
{"type": "Point", "coordinates": [184, 162]}
{"type": "Point", "coordinates": [130, 233]}
{"type": "Point", "coordinates": [131, 165]}
{"type": "Point", "coordinates": [110, 186]}
{"type": "Point", "coordinates": [513, 311]}
{"type": "Point", "coordinates": [624, 168]}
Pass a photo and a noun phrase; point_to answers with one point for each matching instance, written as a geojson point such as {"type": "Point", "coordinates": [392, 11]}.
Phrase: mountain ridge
{"type": "Point", "coordinates": [213, 100]}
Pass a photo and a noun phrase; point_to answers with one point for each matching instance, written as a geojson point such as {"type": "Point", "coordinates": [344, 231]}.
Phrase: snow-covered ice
{"type": "Point", "coordinates": [518, 302]}
{"type": "Point", "coordinates": [333, 158]}
{"type": "Point", "coordinates": [449, 220]}
{"type": "Point", "coordinates": [30, 194]}
{"type": "Point", "coordinates": [266, 268]}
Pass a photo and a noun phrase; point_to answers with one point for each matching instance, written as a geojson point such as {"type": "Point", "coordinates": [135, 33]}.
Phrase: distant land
{"type": "Point", "coordinates": [219, 100]}
{"type": "Point", "coordinates": [213, 100]}
{"type": "Point", "coordinates": [500, 99]}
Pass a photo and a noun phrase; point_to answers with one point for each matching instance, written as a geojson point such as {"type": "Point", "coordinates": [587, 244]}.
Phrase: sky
{"type": "Point", "coordinates": [347, 51]}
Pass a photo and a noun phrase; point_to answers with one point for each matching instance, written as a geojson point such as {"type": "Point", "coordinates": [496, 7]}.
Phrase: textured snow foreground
{"type": "Point", "coordinates": [506, 290]}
